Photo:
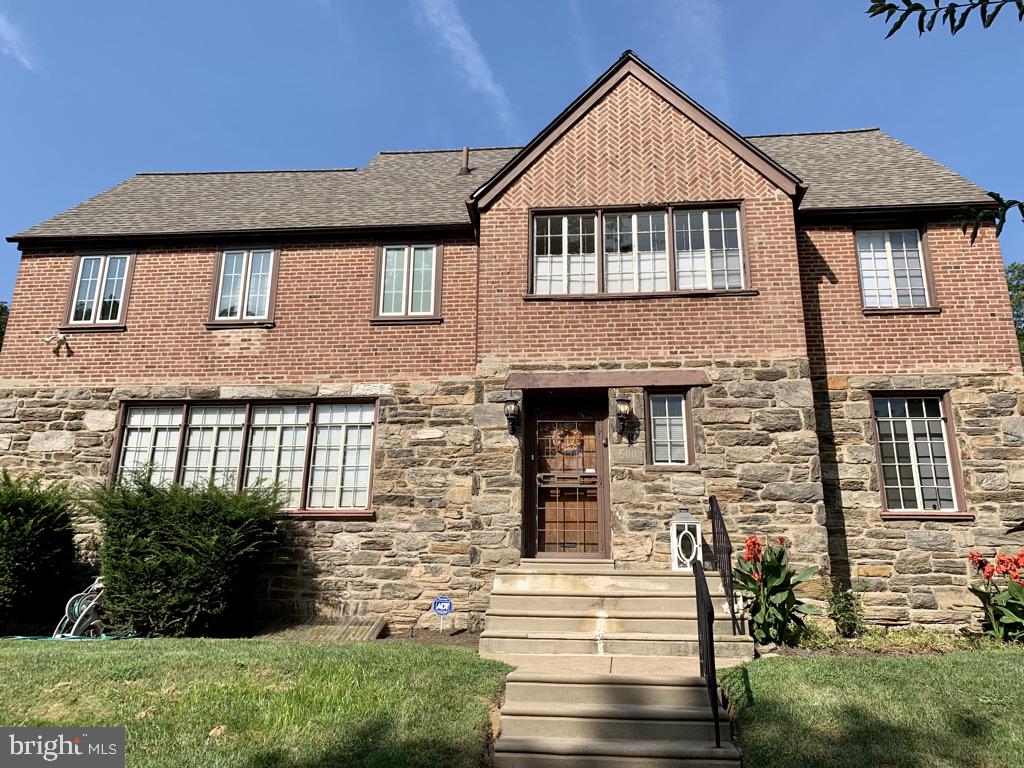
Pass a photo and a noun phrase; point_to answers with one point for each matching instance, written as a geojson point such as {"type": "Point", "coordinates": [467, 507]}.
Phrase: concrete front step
{"type": "Point", "coordinates": [608, 721]}
{"type": "Point", "coordinates": [627, 690]}
{"type": "Point", "coordinates": [564, 564]}
{"type": "Point", "coordinates": [593, 621]}
{"type": "Point", "coordinates": [584, 601]}
{"type": "Point", "coordinates": [495, 643]}
{"type": "Point", "coordinates": [599, 580]}
{"type": "Point", "coordinates": [609, 753]}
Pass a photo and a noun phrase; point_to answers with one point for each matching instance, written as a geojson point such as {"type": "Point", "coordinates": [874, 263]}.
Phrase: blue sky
{"type": "Point", "coordinates": [93, 92]}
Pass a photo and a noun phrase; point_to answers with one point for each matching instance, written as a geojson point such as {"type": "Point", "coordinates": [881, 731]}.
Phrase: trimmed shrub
{"type": "Point", "coordinates": [37, 553]}
{"type": "Point", "coordinates": [183, 561]}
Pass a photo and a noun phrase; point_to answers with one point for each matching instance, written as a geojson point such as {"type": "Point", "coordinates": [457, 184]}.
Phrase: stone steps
{"type": "Point", "coordinates": [497, 643]}
{"type": "Point", "coordinates": [603, 580]}
{"type": "Point", "coordinates": [592, 621]}
{"type": "Point", "coordinates": [564, 564]}
{"type": "Point", "coordinates": [558, 719]}
{"type": "Point", "coordinates": [636, 690]}
{"type": "Point", "coordinates": [627, 753]}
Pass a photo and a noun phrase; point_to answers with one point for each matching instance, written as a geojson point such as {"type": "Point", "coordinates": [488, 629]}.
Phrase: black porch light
{"type": "Point", "coordinates": [623, 410]}
{"type": "Point", "coordinates": [512, 412]}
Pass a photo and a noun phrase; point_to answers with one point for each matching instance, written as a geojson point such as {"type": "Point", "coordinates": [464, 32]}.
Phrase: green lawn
{"type": "Point", "coordinates": [961, 710]}
{"type": "Point", "coordinates": [282, 704]}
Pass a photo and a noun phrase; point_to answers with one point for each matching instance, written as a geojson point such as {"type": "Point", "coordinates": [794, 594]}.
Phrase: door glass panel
{"type": "Point", "coordinates": [568, 519]}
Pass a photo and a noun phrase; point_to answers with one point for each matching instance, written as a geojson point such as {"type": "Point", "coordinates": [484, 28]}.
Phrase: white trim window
{"type": "Point", "coordinates": [891, 268]}
{"type": "Point", "coordinates": [408, 280]}
{"type": "Point", "coordinates": [565, 254]}
{"type": "Point", "coordinates": [213, 444]}
{"type": "Point", "coordinates": [277, 448]}
{"type": "Point", "coordinates": [150, 439]}
{"type": "Point", "coordinates": [913, 446]}
{"type": "Point", "coordinates": [99, 289]}
{"type": "Point", "coordinates": [667, 421]}
{"type": "Point", "coordinates": [709, 252]}
{"type": "Point", "coordinates": [243, 286]}
{"type": "Point", "coordinates": [635, 252]}
{"type": "Point", "coordinates": [339, 473]}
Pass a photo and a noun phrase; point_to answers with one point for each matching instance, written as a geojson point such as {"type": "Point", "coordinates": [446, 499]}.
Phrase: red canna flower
{"type": "Point", "coordinates": [975, 557]}
{"type": "Point", "coordinates": [988, 571]}
{"type": "Point", "coordinates": [1004, 563]}
{"type": "Point", "coordinates": [752, 549]}
{"type": "Point", "coordinates": [782, 541]}
{"type": "Point", "coordinates": [756, 575]}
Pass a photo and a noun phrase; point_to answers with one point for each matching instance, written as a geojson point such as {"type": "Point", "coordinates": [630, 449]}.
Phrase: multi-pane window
{"type": "Point", "coordinates": [667, 424]}
{"type": "Point", "coordinates": [408, 280]}
{"type": "Point", "coordinates": [708, 250]}
{"type": "Point", "coordinates": [565, 254]}
{"type": "Point", "coordinates": [913, 446]}
{"type": "Point", "coordinates": [635, 255]}
{"type": "Point", "coordinates": [891, 268]}
{"type": "Point", "coordinates": [99, 290]}
{"type": "Point", "coordinates": [243, 287]}
{"type": "Point", "coordinates": [320, 453]}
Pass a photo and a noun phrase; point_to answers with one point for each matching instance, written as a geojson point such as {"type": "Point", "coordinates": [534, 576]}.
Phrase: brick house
{"type": "Point", "coordinates": [794, 324]}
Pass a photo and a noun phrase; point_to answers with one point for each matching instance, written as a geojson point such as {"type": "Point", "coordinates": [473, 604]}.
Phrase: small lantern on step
{"type": "Point", "coordinates": [687, 545]}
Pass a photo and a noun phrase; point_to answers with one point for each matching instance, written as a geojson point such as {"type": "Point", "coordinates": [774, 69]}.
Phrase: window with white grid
{"type": "Point", "coordinates": [913, 446]}
{"type": "Point", "coordinates": [891, 268]}
{"type": "Point", "coordinates": [243, 286]}
{"type": "Point", "coordinates": [150, 439]}
{"type": "Point", "coordinates": [213, 444]}
{"type": "Point", "coordinates": [709, 253]}
{"type": "Point", "coordinates": [565, 254]}
{"type": "Point", "coordinates": [667, 424]}
{"type": "Point", "coordinates": [99, 291]}
{"type": "Point", "coordinates": [277, 448]}
{"type": "Point", "coordinates": [339, 473]}
{"type": "Point", "coordinates": [635, 255]}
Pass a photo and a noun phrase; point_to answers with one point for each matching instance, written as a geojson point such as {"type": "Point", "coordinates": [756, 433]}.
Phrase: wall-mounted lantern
{"type": "Point", "coordinates": [687, 545]}
{"type": "Point", "coordinates": [623, 412]}
{"type": "Point", "coordinates": [512, 412]}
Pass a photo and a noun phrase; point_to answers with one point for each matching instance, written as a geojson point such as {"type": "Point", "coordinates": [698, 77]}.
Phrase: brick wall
{"type": "Point", "coordinates": [322, 312]}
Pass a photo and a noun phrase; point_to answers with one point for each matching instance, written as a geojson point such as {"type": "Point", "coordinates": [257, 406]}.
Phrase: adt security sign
{"type": "Point", "coordinates": [442, 607]}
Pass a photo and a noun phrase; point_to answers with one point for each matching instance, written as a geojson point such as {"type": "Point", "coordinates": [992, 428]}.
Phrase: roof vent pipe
{"type": "Point", "coordinates": [464, 170]}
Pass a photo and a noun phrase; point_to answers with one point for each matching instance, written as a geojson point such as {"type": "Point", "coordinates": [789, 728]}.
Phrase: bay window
{"type": "Point", "coordinates": [321, 453]}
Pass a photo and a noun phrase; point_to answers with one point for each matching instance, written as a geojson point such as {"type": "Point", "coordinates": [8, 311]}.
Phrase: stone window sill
{"type": "Point", "coordinates": [92, 329]}
{"type": "Point", "coordinates": [329, 514]}
{"type": "Point", "coordinates": [963, 517]}
{"type": "Point", "coordinates": [432, 320]}
{"type": "Point", "coordinates": [634, 296]}
{"type": "Point", "coordinates": [671, 468]}
{"type": "Point", "coordinates": [216, 325]}
{"type": "Point", "coordinates": [888, 311]}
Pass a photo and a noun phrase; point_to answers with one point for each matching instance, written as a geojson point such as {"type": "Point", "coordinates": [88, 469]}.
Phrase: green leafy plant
{"type": "Point", "coordinates": [954, 13]}
{"type": "Point", "coordinates": [1001, 594]}
{"type": "Point", "coordinates": [845, 609]}
{"type": "Point", "coordinates": [764, 573]}
{"type": "Point", "coordinates": [37, 553]}
{"type": "Point", "coordinates": [182, 560]}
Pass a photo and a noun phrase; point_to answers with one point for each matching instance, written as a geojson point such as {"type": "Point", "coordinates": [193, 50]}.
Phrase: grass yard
{"type": "Point", "coordinates": [257, 704]}
{"type": "Point", "coordinates": [960, 710]}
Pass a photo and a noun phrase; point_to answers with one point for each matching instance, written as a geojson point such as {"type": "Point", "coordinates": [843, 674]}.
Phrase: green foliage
{"type": "Point", "coordinates": [845, 609]}
{"type": "Point", "coordinates": [182, 561]}
{"type": "Point", "coordinates": [1001, 594]}
{"type": "Point", "coordinates": [37, 553]}
{"type": "Point", "coordinates": [764, 573]}
{"type": "Point", "coordinates": [955, 14]}
{"type": "Point", "coordinates": [883, 641]}
{"type": "Point", "coordinates": [5, 311]}
{"type": "Point", "coordinates": [1015, 282]}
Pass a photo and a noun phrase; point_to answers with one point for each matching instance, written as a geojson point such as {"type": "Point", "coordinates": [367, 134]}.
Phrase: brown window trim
{"type": "Point", "coordinates": [961, 513]}
{"type": "Point", "coordinates": [669, 210]}
{"type": "Point", "coordinates": [212, 321]}
{"type": "Point", "coordinates": [376, 318]}
{"type": "Point", "coordinates": [691, 457]}
{"type": "Point", "coordinates": [302, 512]}
{"type": "Point", "coordinates": [933, 307]}
{"type": "Point", "coordinates": [98, 327]}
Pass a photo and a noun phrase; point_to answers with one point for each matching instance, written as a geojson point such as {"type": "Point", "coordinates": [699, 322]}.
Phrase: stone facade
{"type": "Point", "coordinates": [916, 571]}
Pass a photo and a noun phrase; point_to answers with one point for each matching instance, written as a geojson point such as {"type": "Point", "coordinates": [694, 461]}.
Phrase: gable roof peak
{"type": "Point", "coordinates": [630, 64]}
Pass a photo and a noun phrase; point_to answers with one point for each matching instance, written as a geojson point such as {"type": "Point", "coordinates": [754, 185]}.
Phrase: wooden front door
{"type": "Point", "coordinates": [568, 484]}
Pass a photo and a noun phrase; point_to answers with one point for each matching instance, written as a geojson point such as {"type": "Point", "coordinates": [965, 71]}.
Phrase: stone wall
{"type": "Point", "coordinates": [916, 571]}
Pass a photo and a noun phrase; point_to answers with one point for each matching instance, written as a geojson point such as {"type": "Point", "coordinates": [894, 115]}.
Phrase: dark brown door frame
{"type": "Point", "coordinates": [589, 404]}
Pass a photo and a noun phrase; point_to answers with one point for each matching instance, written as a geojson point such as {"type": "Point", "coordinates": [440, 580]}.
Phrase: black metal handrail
{"type": "Point", "coordinates": [723, 556]}
{"type": "Point", "coordinates": [706, 643]}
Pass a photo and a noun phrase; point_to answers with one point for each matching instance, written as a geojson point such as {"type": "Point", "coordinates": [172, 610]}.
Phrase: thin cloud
{"type": "Point", "coordinates": [451, 30]}
{"type": "Point", "coordinates": [578, 31]}
{"type": "Point", "coordinates": [12, 43]}
{"type": "Point", "coordinates": [692, 45]}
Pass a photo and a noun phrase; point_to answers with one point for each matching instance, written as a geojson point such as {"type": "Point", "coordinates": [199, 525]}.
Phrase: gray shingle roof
{"type": "Point", "coordinates": [851, 169]}
{"type": "Point", "coordinates": [866, 169]}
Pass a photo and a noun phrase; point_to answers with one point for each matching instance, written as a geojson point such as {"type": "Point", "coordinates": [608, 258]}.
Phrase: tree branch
{"type": "Point", "coordinates": [955, 14]}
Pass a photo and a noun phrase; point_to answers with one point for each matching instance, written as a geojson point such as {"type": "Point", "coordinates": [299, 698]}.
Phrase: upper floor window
{"type": "Point", "coordinates": [408, 281]}
{"type": "Point", "coordinates": [892, 268]}
{"type": "Point", "coordinates": [245, 285]}
{"type": "Point", "coordinates": [638, 252]}
{"type": "Point", "coordinates": [100, 287]}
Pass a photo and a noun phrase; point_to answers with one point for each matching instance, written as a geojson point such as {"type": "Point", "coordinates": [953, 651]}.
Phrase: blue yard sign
{"type": "Point", "coordinates": [442, 605]}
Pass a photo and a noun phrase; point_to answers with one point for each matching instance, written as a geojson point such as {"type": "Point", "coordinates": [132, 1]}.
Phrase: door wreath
{"type": "Point", "coordinates": [568, 441]}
